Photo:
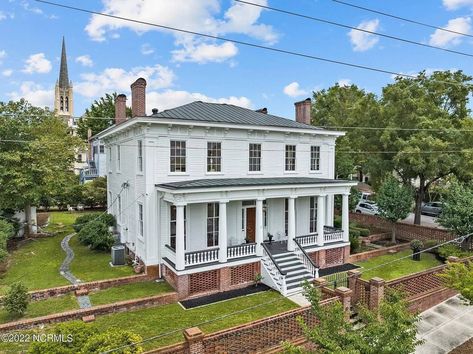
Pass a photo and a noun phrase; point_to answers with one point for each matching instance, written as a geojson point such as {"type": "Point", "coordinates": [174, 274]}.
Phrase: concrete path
{"type": "Point", "coordinates": [65, 270]}
{"type": "Point", "coordinates": [84, 301]}
{"type": "Point", "coordinates": [445, 326]}
{"type": "Point", "coordinates": [299, 299]}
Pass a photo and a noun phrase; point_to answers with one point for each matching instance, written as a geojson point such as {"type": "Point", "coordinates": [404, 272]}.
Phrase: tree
{"type": "Point", "coordinates": [457, 210]}
{"type": "Point", "coordinates": [36, 154]}
{"type": "Point", "coordinates": [104, 107]}
{"type": "Point", "coordinates": [6, 231]}
{"type": "Point", "coordinates": [390, 329]}
{"type": "Point", "coordinates": [394, 202]}
{"type": "Point", "coordinates": [16, 299]}
{"type": "Point", "coordinates": [353, 200]}
{"type": "Point", "coordinates": [432, 110]}
{"type": "Point", "coordinates": [459, 276]}
{"type": "Point", "coordinates": [112, 339]}
{"type": "Point", "coordinates": [95, 192]}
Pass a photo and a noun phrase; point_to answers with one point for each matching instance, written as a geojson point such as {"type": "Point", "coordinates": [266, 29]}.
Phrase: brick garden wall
{"type": "Point", "coordinates": [330, 257]}
{"type": "Point", "coordinates": [358, 257]}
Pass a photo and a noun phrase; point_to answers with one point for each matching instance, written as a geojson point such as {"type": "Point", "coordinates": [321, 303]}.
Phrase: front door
{"type": "Point", "coordinates": [250, 224]}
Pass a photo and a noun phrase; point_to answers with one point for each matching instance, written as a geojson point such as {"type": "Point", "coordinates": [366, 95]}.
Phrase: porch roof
{"type": "Point", "coordinates": [248, 182]}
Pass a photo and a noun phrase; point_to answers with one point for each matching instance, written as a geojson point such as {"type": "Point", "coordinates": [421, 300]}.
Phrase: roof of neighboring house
{"type": "Point", "coordinates": [247, 182]}
{"type": "Point", "coordinates": [227, 113]}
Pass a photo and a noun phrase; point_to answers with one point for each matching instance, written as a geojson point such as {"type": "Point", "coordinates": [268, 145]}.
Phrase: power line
{"type": "Point", "coordinates": [291, 13]}
{"type": "Point", "coordinates": [249, 44]}
{"type": "Point", "coordinates": [401, 18]}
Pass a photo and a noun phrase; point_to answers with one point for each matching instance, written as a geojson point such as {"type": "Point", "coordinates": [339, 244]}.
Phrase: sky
{"type": "Point", "coordinates": [106, 55]}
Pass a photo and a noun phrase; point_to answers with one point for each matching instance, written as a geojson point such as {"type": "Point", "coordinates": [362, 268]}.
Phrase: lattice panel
{"type": "Point", "coordinates": [419, 284]}
{"type": "Point", "coordinates": [203, 282]}
{"type": "Point", "coordinates": [362, 293]}
{"type": "Point", "coordinates": [243, 274]}
{"type": "Point", "coordinates": [334, 256]}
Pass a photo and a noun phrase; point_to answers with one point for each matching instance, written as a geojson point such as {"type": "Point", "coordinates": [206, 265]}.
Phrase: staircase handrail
{"type": "Point", "coordinates": [306, 260]}
{"type": "Point", "coordinates": [272, 259]}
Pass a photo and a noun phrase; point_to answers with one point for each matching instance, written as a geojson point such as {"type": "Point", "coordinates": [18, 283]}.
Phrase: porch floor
{"type": "Point", "coordinates": [277, 247]}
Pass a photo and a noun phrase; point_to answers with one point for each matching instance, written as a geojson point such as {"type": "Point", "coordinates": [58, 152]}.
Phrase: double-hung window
{"type": "Point", "coordinates": [173, 227]}
{"type": "Point", "coordinates": [119, 202]}
{"type": "Point", "coordinates": [119, 158]}
{"type": "Point", "coordinates": [177, 156]}
{"type": "Point", "coordinates": [315, 158]}
{"type": "Point", "coordinates": [313, 214]}
{"type": "Point", "coordinates": [254, 162]}
{"type": "Point", "coordinates": [140, 219]}
{"type": "Point", "coordinates": [214, 157]}
{"type": "Point", "coordinates": [290, 158]}
{"type": "Point", "coordinates": [140, 156]}
{"type": "Point", "coordinates": [212, 224]}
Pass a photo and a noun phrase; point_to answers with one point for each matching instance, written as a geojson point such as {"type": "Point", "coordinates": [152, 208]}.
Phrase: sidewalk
{"type": "Point", "coordinates": [445, 326]}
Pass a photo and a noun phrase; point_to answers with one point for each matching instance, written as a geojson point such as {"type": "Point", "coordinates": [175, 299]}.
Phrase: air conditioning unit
{"type": "Point", "coordinates": [118, 255]}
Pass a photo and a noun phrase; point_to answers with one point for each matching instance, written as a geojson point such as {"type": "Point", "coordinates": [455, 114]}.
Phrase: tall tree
{"type": "Point", "coordinates": [423, 119]}
{"type": "Point", "coordinates": [104, 107]}
{"type": "Point", "coordinates": [36, 155]}
{"type": "Point", "coordinates": [347, 106]}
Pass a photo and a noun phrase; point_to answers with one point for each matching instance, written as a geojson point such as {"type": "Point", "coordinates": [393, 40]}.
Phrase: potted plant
{"type": "Point", "coordinates": [270, 237]}
{"type": "Point", "coordinates": [247, 240]}
{"type": "Point", "coordinates": [258, 278]}
{"type": "Point", "coordinates": [416, 246]}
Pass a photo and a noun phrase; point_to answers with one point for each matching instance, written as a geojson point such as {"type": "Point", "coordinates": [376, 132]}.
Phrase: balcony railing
{"type": "Point", "coordinates": [243, 250]}
{"type": "Point", "coordinates": [332, 234]}
{"type": "Point", "coordinates": [201, 257]}
{"type": "Point", "coordinates": [307, 240]}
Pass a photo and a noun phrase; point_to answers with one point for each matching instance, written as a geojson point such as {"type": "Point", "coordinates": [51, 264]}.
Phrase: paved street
{"type": "Point", "coordinates": [445, 326]}
{"type": "Point", "coordinates": [425, 221]}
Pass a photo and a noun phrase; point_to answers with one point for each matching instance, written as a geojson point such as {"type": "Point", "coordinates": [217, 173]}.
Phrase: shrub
{"type": "Point", "coordinates": [451, 249]}
{"type": "Point", "coordinates": [96, 235]}
{"type": "Point", "coordinates": [354, 243]}
{"type": "Point", "coordinates": [362, 231]}
{"type": "Point", "coordinates": [16, 299]}
{"type": "Point", "coordinates": [416, 245]}
{"type": "Point", "coordinates": [431, 243]}
{"type": "Point", "coordinates": [354, 233]}
{"type": "Point", "coordinates": [81, 221]}
{"type": "Point", "coordinates": [111, 339]}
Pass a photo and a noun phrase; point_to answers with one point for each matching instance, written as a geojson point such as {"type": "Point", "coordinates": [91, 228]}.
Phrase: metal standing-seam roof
{"type": "Point", "coordinates": [227, 113]}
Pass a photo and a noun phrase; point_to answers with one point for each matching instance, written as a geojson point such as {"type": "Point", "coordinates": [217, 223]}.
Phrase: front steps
{"type": "Point", "coordinates": [296, 272]}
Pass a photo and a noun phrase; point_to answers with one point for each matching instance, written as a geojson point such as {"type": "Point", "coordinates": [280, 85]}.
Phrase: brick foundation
{"type": "Point", "coordinates": [331, 257]}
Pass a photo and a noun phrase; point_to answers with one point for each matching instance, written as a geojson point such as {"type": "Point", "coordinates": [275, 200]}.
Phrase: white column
{"type": "Point", "coordinates": [291, 223]}
{"type": "Point", "coordinates": [320, 219]}
{"type": "Point", "coordinates": [259, 237]}
{"type": "Point", "coordinates": [180, 261]}
{"type": "Point", "coordinates": [328, 210]}
{"type": "Point", "coordinates": [345, 216]}
{"type": "Point", "coordinates": [222, 231]}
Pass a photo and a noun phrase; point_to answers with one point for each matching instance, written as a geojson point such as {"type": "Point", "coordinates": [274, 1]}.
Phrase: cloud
{"type": "Point", "coordinates": [7, 72]}
{"type": "Point", "coordinates": [344, 82]}
{"type": "Point", "coordinates": [171, 98]}
{"type": "Point", "coordinates": [2, 16]}
{"type": "Point", "coordinates": [85, 60]}
{"type": "Point", "coordinates": [3, 54]}
{"type": "Point", "coordinates": [201, 16]}
{"type": "Point", "coordinates": [456, 4]}
{"type": "Point", "coordinates": [293, 90]}
{"type": "Point", "coordinates": [362, 41]}
{"type": "Point", "coordinates": [34, 93]}
{"type": "Point", "coordinates": [119, 80]}
{"type": "Point", "coordinates": [442, 39]}
{"type": "Point", "coordinates": [37, 63]}
{"type": "Point", "coordinates": [147, 49]}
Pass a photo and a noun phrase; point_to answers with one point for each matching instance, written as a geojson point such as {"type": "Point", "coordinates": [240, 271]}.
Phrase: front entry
{"type": "Point", "coordinates": [251, 224]}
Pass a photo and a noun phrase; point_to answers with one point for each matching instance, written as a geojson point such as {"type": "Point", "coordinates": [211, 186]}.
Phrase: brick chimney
{"type": "Point", "coordinates": [303, 111]}
{"type": "Point", "coordinates": [138, 98]}
{"type": "Point", "coordinates": [120, 109]}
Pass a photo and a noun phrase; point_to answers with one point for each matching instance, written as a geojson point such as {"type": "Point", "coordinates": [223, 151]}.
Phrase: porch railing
{"type": "Point", "coordinates": [201, 257]}
{"type": "Point", "coordinates": [307, 240]}
{"type": "Point", "coordinates": [243, 250]}
{"type": "Point", "coordinates": [305, 259]}
{"type": "Point", "coordinates": [332, 234]}
{"type": "Point", "coordinates": [171, 254]}
{"type": "Point", "coordinates": [278, 276]}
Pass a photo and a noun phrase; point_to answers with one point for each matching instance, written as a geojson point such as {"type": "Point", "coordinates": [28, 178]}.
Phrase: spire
{"type": "Point", "coordinates": [63, 74]}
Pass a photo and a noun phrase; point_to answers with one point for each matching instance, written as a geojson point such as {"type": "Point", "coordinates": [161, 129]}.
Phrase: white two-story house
{"type": "Point", "coordinates": [209, 195]}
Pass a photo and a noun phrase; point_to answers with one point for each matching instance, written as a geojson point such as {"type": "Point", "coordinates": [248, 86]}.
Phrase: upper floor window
{"type": "Point", "coordinates": [94, 150]}
{"type": "Point", "coordinates": [67, 104]}
{"type": "Point", "coordinates": [178, 156]}
{"type": "Point", "coordinates": [79, 157]}
{"type": "Point", "coordinates": [140, 219]}
{"type": "Point", "coordinates": [212, 224]}
{"type": "Point", "coordinates": [62, 104]}
{"type": "Point", "coordinates": [119, 158]}
{"type": "Point", "coordinates": [313, 214]}
{"type": "Point", "coordinates": [119, 203]}
{"type": "Point", "coordinates": [214, 157]}
{"type": "Point", "coordinates": [254, 163]}
{"type": "Point", "coordinates": [140, 156]}
{"type": "Point", "coordinates": [315, 158]}
{"type": "Point", "coordinates": [290, 157]}
{"type": "Point", "coordinates": [173, 227]}
{"type": "Point", "coordinates": [102, 149]}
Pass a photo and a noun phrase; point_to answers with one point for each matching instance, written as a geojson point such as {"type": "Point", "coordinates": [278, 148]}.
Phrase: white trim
{"type": "Point", "coordinates": [204, 268]}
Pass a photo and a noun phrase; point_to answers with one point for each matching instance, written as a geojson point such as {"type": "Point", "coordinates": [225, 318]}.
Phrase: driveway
{"type": "Point", "coordinates": [425, 220]}
{"type": "Point", "coordinates": [445, 326]}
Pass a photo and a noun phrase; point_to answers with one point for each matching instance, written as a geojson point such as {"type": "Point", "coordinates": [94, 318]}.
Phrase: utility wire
{"type": "Point", "coordinates": [401, 18]}
{"type": "Point", "coordinates": [405, 40]}
{"type": "Point", "coordinates": [248, 44]}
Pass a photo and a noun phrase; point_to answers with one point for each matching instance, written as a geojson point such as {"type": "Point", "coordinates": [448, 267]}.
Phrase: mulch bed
{"type": "Point", "coordinates": [465, 348]}
{"type": "Point", "coordinates": [337, 269]}
{"type": "Point", "coordinates": [226, 295]}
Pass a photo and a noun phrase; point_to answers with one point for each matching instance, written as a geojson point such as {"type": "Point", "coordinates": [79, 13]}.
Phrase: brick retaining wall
{"type": "Point", "coordinates": [358, 257]}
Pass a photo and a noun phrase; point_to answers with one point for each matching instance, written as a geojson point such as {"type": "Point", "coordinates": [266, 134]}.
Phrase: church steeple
{"type": "Point", "coordinates": [63, 73]}
{"type": "Point", "coordinates": [64, 100]}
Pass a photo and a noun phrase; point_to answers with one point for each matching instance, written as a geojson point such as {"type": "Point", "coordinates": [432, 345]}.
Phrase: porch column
{"type": "Point", "coordinates": [259, 226]}
{"type": "Point", "coordinates": [291, 223]}
{"type": "Point", "coordinates": [345, 215]}
{"type": "Point", "coordinates": [329, 210]}
{"type": "Point", "coordinates": [320, 219]}
{"type": "Point", "coordinates": [180, 261]}
{"type": "Point", "coordinates": [222, 231]}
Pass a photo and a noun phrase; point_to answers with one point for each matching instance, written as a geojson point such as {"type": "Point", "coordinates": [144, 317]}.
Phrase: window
{"type": "Point", "coordinates": [286, 216]}
{"type": "Point", "coordinates": [140, 156]}
{"type": "Point", "coordinates": [109, 200]}
{"type": "Point", "coordinates": [290, 157]}
{"type": "Point", "coordinates": [212, 224]}
{"type": "Point", "coordinates": [110, 157]}
{"type": "Point", "coordinates": [62, 104]}
{"type": "Point", "coordinates": [140, 219]}
{"type": "Point", "coordinates": [79, 158]}
{"type": "Point", "coordinates": [102, 149]}
{"type": "Point", "coordinates": [67, 104]}
{"type": "Point", "coordinates": [119, 157]}
{"type": "Point", "coordinates": [119, 202]}
{"type": "Point", "coordinates": [313, 214]}
{"type": "Point", "coordinates": [315, 158]}
{"type": "Point", "coordinates": [172, 227]}
{"type": "Point", "coordinates": [94, 150]}
{"type": "Point", "coordinates": [214, 157]}
{"type": "Point", "coordinates": [254, 162]}
{"type": "Point", "coordinates": [178, 156]}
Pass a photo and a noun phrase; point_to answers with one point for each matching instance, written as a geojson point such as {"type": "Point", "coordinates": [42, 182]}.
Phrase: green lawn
{"type": "Point", "coordinates": [128, 292]}
{"type": "Point", "coordinates": [44, 307]}
{"type": "Point", "coordinates": [397, 269]}
{"type": "Point", "coordinates": [159, 320]}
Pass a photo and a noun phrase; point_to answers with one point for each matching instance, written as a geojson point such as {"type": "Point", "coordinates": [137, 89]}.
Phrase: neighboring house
{"type": "Point", "coordinates": [197, 189]}
{"type": "Point", "coordinates": [96, 161]}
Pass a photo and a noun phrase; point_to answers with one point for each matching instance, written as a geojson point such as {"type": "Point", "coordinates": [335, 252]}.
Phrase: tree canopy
{"type": "Point", "coordinates": [457, 210]}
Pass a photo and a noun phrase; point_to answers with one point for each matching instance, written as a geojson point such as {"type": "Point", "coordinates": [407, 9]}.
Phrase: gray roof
{"type": "Point", "coordinates": [227, 113]}
{"type": "Point", "coordinates": [246, 182]}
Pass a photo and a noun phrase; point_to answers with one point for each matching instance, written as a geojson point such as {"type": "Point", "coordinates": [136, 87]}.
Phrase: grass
{"type": "Point", "coordinates": [128, 292]}
{"type": "Point", "coordinates": [43, 308]}
{"type": "Point", "coordinates": [159, 320]}
{"type": "Point", "coordinates": [397, 269]}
